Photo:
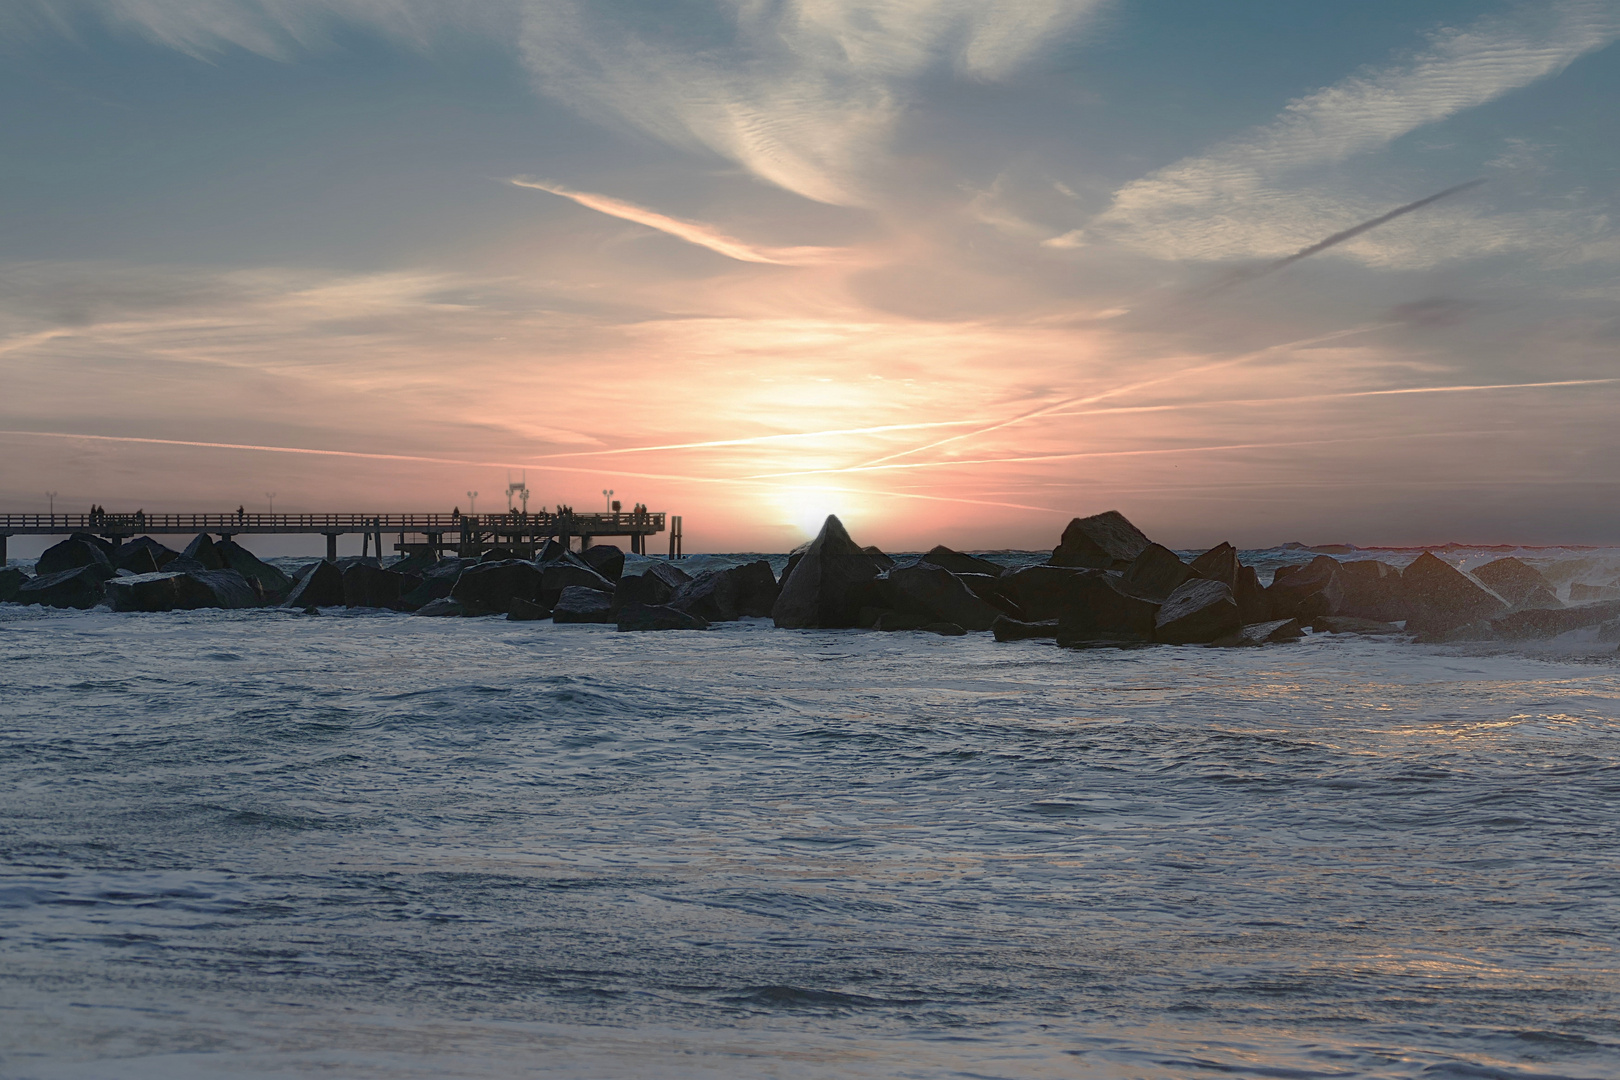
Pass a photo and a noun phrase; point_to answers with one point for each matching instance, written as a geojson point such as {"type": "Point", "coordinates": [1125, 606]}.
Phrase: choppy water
{"type": "Point", "coordinates": [367, 845]}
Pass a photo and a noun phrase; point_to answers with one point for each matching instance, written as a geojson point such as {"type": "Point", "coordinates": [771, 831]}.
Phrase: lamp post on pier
{"type": "Point", "coordinates": [472, 503]}
{"type": "Point", "coordinates": [607, 493]}
{"type": "Point", "coordinates": [51, 496]}
{"type": "Point", "coordinates": [272, 497]}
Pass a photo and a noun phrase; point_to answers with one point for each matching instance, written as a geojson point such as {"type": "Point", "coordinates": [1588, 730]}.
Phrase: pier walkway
{"type": "Point", "coordinates": [463, 534]}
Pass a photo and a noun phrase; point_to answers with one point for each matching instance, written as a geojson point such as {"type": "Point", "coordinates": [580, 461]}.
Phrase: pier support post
{"type": "Point", "coordinates": [331, 547]}
{"type": "Point", "coordinates": [3, 548]}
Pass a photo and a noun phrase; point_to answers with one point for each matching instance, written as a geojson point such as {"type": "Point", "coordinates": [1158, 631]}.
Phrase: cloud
{"type": "Point", "coordinates": [693, 232]}
{"type": "Point", "coordinates": [1253, 196]}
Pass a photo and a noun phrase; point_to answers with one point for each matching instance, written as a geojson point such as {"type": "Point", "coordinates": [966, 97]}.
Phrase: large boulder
{"type": "Point", "coordinates": [446, 607]}
{"type": "Point", "coordinates": [578, 604]}
{"type": "Point", "coordinates": [1253, 604]}
{"type": "Point", "coordinates": [1098, 609]}
{"type": "Point", "coordinates": [80, 549]}
{"type": "Point", "coordinates": [1372, 590]}
{"type": "Point", "coordinates": [1155, 574]}
{"type": "Point", "coordinates": [436, 581]}
{"type": "Point", "coordinates": [524, 611]}
{"type": "Point", "coordinates": [80, 587]}
{"type": "Point", "coordinates": [1198, 612]}
{"type": "Point", "coordinates": [988, 589]}
{"type": "Point", "coordinates": [1219, 563]}
{"type": "Point", "coordinates": [372, 587]}
{"type": "Point", "coordinates": [1304, 592]}
{"type": "Point", "coordinates": [879, 559]}
{"type": "Point", "coordinates": [138, 561]}
{"type": "Point", "coordinates": [1440, 597]}
{"type": "Point", "coordinates": [922, 588]}
{"type": "Point", "coordinates": [320, 585]}
{"type": "Point", "coordinates": [958, 563]}
{"type": "Point", "coordinates": [129, 554]}
{"type": "Point", "coordinates": [217, 588]}
{"type": "Point", "coordinates": [1269, 632]}
{"type": "Point", "coordinates": [12, 578]}
{"type": "Point", "coordinates": [729, 594]}
{"type": "Point", "coordinates": [657, 617]}
{"type": "Point", "coordinates": [489, 588]}
{"type": "Point", "coordinates": [1549, 622]}
{"type": "Point", "coordinates": [829, 584]}
{"type": "Point", "coordinates": [1105, 541]}
{"type": "Point", "coordinates": [206, 552]}
{"type": "Point", "coordinates": [649, 590]}
{"type": "Point", "coordinates": [1008, 629]}
{"type": "Point", "coordinates": [1042, 592]}
{"type": "Point", "coordinates": [559, 574]}
{"type": "Point", "coordinates": [605, 559]}
{"type": "Point", "coordinates": [272, 581]}
{"type": "Point", "coordinates": [1580, 592]}
{"type": "Point", "coordinates": [1351, 624]}
{"type": "Point", "coordinates": [156, 591]}
{"type": "Point", "coordinates": [1520, 585]}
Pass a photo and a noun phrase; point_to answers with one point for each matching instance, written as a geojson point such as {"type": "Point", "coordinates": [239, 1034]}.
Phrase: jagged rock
{"type": "Point", "coordinates": [649, 590]}
{"type": "Point", "coordinates": [1372, 590]}
{"type": "Point", "coordinates": [989, 589]}
{"type": "Point", "coordinates": [1007, 629]}
{"type": "Point", "coordinates": [1198, 612]}
{"type": "Point", "coordinates": [436, 581]}
{"type": "Point", "coordinates": [1550, 622]}
{"type": "Point", "coordinates": [559, 574]}
{"type": "Point", "coordinates": [1305, 592]}
{"type": "Point", "coordinates": [80, 549]}
{"type": "Point", "coordinates": [551, 550]}
{"type": "Point", "coordinates": [879, 559]}
{"type": "Point", "coordinates": [489, 588]}
{"type": "Point", "coordinates": [320, 586]}
{"type": "Point", "coordinates": [80, 587]}
{"type": "Point", "coordinates": [417, 564]}
{"type": "Point", "coordinates": [157, 591]}
{"type": "Point", "coordinates": [524, 611]}
{"type": "Point", "coordinates": [657, 617]}
{"type": "Point", "coordinates": [1106, 541]}
{"type": "Point", "coordinates": [1251, 596]}
{"type": "Point", "coordinates": [792, 561]}
{"type": "Point", "coordinates": [498, 554]}
{"type": "Point", "coordinates": [726, 595]}
{"type": "Point", "coordinates": [138, 561]}
{"type": "Point", "coordinates": [605, 559]}
{"type": "Point", "coordinates": [1099, 609]}
{"type": "Point", "coordinates": [372, 587]}
{"type": "Point", "coordinates": [271, 580]}
{"type": "Point", "coordinates": [184, 564]}
{"type": "Point", "coordinates": [1349, 624]}
{"type": "Point", "coordinates": [1269, 632]}
{"type": "Point", "coordinates": [1518, 584]}
{"type": "Point", "coordinates": [1155, 574]}
{"type": "Point", "coordinates": [218, 588]}
{"type": "Point", "coordinates": [442, 607]}
{"type": "Point", "coordinates": [159, 554]}
{"type": "Point", "coordinates": [958, 563]}
{"type": "Point", "coordinates": [578, 604]}
{"type": "Point", "coordinates": [347, 561]}
{"type": "Point", "coordinates": [1043, 592]}
{"type": "Point", "coordinates": [1219, 563]}
{"type": "Point", "coordinates": [829, 585]}
{"type": "Point", "coordinates": [12, 578]}
{"type": "Point", "coordinates": [203, 550]}
{"type": "Point", "coordinates": [668, 573]}
{"type": "Point", "coordinates": [928, 590]}
{"type": "Point", "coordinates": [1441, 597]}
{"type": "Point", "coordinates": [1581, 593]}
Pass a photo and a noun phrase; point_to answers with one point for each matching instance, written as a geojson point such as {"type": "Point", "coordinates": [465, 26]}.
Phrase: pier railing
{"type": "Point", "coordinates": [572, 524]}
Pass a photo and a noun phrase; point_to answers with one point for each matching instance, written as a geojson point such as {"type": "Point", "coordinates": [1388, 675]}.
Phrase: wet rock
{"type": "Point", "coordinates": [1104, 541]}
{"type": "Point", "coordinates": [733, 593]}
{"type": "Point", "coordinates": [932, 591]}
{"type": "Point", "coordinates": [1304, 592]}
{"type": "Point", "coordinates": [559, 574]}
{"type": "Point", "coordinates": [945, 629]}
{"type": "Point", "coordinates": [441, 608]}
{"type": "Point", "coordinates": [498, 554]}
{"type": "Point", "coordinates": [958, 563]}
{"type": "Point", "coordinates": [372, 587]}
{"type": "Point", "coordinates": [1219, 563]}
{"type": "Point", "coordinates": [1043, 592]}
{"type": "Point", "coordinates": [435, 582]}
{"type": "Point", "coordinates": [524, 611]}
{"type": "Point", "coordinates": [139, 561]}
{"type": "Point", "coordinates": [1099, 609]}
{"type": "Point", "coordinates": [1580, 593]}
{"type": "Point", "coordinates": [1007, 629]}
{"type": "Point", "coordinates": [889, 621]}
{"type": "Point", "coordinates": [1198, 612]}
{"type": "Point", "coordinates": [272, 582]}
{"type": "Point", "coordinates": [1349, 624]}
{"type": "Point", "coordinates": [205, 552]}
{"type": "Point", "coordinates": [648, 590]}
{"type": "Point", "coordinates": [159, 554]}
{"type": "Point", "coordinates": [829, 585]}
{"type": "Point", "coordinates": [416, 564]}
{"type": "Point", "coordinates": [637, 617]}
{"type": "Point", "coordinates": [1372, 590]}
{"type": "Point", "coordinates": [578, 604]}
{"type": "Point", "coordinates": [989, 589]}
{"type": "Point", "coordinates": [12, 578]}
{"type": "Point", "coordinates": [1550, 622]}
{"type": "Point", "coordinates": [320, 586]}
{"type": "Point", "coordinates": [1155, 574]}
{"type": "Point", "coordinates": [1440, 597]}
{"type": "Point", "coordinates": [490, 588]}
{"type": "Point", "coordinates": [1251, 596]}
{"type": "Point", "coordinates": [605, 559]}
{"type": "Point", "coordinates": [1269, 632]}
{"type": "Point", "coordinates": [156, 591]}
{"type": "Point", "coordinates": [668, 573]}
{"type": "Point", "coordinates": [879, 559]}
{"type": "Point", "coordinates": [80, 587]}
{"type": "Point", "coordinates": [80, 549]}
{"type": "Point", "coordinates": [184, 564]}
{"type": "Point", "coordinates": [222, 589]}
{"type": "Point", "coordinates": [1519, 584]}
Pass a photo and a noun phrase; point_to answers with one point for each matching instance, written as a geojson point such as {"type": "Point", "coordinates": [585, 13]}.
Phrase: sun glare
{"type": "Point", "coordinates": [806, 508]}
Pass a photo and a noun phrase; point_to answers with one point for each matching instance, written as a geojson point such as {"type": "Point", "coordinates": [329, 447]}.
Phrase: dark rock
{"type": "Point", "coordinates": [347, 561]}
{"type": "Point", "coordinates": [1518, 584]}
{"type": "Point", "coordinates": [925, 589]}
{"type": "Point", "coordinates": [138, 561]}
{"type": "Point", "coordinates": [271, 580]}
{"type": "Point", "coordinates": [1307, 591]}
{"type": "Point", "coordinates": [430, 589]}
{"type": "Point", "coordinates": [1440, 597]}
{"type": "Point", "coordinates": [1099, 609]}
{"type": "Point", "coordinates": [221, 588]}
{"type": "Point", "coordinates": [559, 574]}
{"type": "Point", "coordinates": [668, 573]}
{"type": "Point", "coordinates": [321, 586]}
{"type": "Point", "coordinates": [889, 621]}
{"type": "Point", "coordinates": [829, 585]}
{"type": "Point", "coordinates": [1252, 602]}
{"type": "Point", "coordinates": [578, 604]}
{"type": "Point", "coordinates": [498, 554]}
{"type": "Point", "coordinates": [989, 589]}
{"type": "Point", "coordinates": [12, 578]}
{"type": "Point", "coordinates": [1372, 590]}
{"type": "Point", "coordinates": [372, 587]}
{"type": "Point", "coordinates": [1219, 563]}
{"type": "Point", "coordinates": [792, 561]}
{"type": "Point", "coordinates": [552, 549]}
{"type": "Point", "coordinates": [648, 590]}
{"type": "Point", "coordinates": [1348, 624]}
{"type": "Point", "coordinates": [418, 563]}
{"type": "Point", "coordinates": [1155, 574]}
{"type": "Point", "coordinates": [1549, 622]}
{"type": "Point", "coordinates": [203, 550]}
{"type": "Point", "coordinates": [80, 549]}
{"type": "Point", "coordinates": [1580, 593]}
{"type": "Point", "coordinates": [1007, 629]}
{"type": "Point", "coordinates": [958, 563]}
{"type": "Point", "coordinates": [490, 588]}
{"type": "Point", "coordinates": [524, 611]}
{"type": "Point", "coordinates": [1270, 632]}
{"type": "Point", "coordinates": [879, 559]}
{"type": "Point", "coordinates": [605, 559]}
{"type": "Point", "coordinates": [730, 594]}
{"type": "Point", "coordinates": [157, 591]}
{"type": "Point", "coordinates": [1105, 541]}
{"type": "Point", "coordinates": [945, 629]}
{"type": "Point", "coordinates": [81, 587]}
{"type": "Point", "coordinates": [757, 589]}
{"type": "Point", "coordinates": [184, 564]}
{"type": "Point", "coordinates": [657, 617]}
{"type": "Point", "coordinates": [442, 607]}
{"type": "Point", "coordinates": [158, 552]}
{"type": "Point", "coordinates": [1198, 612]}
{"type": "Point", "coordinates": [1043, 592]}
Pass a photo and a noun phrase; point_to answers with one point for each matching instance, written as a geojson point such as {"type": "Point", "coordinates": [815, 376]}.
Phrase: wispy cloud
{"type": "Point", "coordinates": [693, 232]}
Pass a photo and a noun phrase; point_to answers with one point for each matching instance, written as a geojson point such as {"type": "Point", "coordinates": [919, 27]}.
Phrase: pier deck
{"type": "Point", "coordinates": [465, 534]}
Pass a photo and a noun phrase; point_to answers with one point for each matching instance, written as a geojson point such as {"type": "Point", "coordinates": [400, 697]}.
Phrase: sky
{"type": "Point", "coordinates": [956, 270]}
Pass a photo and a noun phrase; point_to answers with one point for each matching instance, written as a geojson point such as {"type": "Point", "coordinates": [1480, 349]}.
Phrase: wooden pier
{"type": "Point", "coordinates": [462, 534]}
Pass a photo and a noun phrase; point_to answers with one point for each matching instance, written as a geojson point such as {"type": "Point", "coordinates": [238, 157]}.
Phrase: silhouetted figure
{"type": "Point", "coordinates": [455, 515]}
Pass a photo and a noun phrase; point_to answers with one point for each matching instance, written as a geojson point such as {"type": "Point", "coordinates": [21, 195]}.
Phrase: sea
{"type": "Point", "coordinates": [362, 844]}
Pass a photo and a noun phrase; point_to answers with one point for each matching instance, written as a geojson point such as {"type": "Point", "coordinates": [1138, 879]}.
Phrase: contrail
{"type": "Point", "coordinates": [1238, 277]}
